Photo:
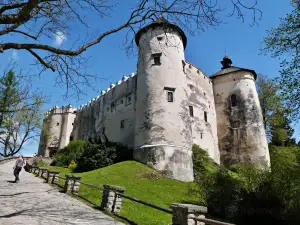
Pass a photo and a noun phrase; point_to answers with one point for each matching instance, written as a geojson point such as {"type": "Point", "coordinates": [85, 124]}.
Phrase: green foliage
{"type": "Point", "coordinates": [98, 155]}
{"type": "Point", "coordinates": [283, 43]}
{"type": "Point", "coordinates": [89, 156]}
{"type": "Point", "coordinates": [73, 152]}
{"type": "Point", "coordinates": [281, 130]}
{"type": "Point", "coordinates": [248, 194]}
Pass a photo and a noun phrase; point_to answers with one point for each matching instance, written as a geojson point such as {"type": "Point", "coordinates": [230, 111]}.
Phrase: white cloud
{"type": "Point", "coordinates": [60, 37]}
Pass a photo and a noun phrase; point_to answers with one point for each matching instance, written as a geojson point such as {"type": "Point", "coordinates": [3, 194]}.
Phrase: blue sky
{"type": "Point", "coordinates": [109, 60]}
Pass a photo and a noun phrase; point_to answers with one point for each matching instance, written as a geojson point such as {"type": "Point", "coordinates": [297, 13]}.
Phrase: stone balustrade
{"type": "Point", "coordinates": [52, 176]}
{"type": "Point", "coordinates": [43, 172]}
{"type": "Point", "coordinates": [72, 184]}
{"type": "Point", "coordinates": [181, 214]}
{"type": "Point", "coordinates": [111, 201]}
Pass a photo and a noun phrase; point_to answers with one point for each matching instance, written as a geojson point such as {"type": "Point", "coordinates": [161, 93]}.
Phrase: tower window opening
{"type": "Point", "coordinates": [191, 109]}
{"type": "Point", "coordinates": [183, 65]}
{"type": "Point", "coordinates": [159, 38]}
{"type": "Point", "coordinates": [205, 116]}
{"type": "Point", "coordinates": [201, 135]}
{"type": "Point", "coordinates": [57, 124]}
{"type": "Point", "coordinates": [170, 96]}
{"type": "Point", "coordinates": [122, 124]}
{"type": "Point", "coordinates": [156, 58]}
{"type": "Point", "coordinates": [233, 100]}
{"type": "Point", "coordinates": [128, 100]}
{"type": "Point", "coordinates": [113, 107]}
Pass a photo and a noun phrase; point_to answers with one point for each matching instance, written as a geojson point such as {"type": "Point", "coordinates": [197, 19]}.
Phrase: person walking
{"type": "Point", "coordinates": [18, 167]}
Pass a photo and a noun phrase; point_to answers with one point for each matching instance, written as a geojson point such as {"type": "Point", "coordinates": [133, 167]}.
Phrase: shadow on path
{"type": "Point", "coordinates": [14, 214]}
{"type": "Point", "coordinates": [20, 193]}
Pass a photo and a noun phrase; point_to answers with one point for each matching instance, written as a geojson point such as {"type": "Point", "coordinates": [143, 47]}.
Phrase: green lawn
{"type": "Point", "coordinates": [141, 182]}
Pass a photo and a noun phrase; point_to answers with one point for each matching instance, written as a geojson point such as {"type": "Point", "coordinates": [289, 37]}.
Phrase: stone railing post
{"type": "Point", "coordinates": [34, 169]}
{"type": "Point", "coordinates": [182, 212]}
{"type": "Point", "coordinates": [52, 176]}
{"type": "Point", "coordinates": [111, 201]}
{"type": "Point", "coordinates": [43, 172]}
{"type": "Point", "coordinates": [72, 184]}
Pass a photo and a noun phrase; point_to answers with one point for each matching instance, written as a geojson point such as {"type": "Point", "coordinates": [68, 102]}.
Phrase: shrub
{"type": "Point", "coordinates": [98, 155]}
{"type": "Point", "coordinates": [247, 194]}
{"type": "Point", "coordinates": [73, 152]}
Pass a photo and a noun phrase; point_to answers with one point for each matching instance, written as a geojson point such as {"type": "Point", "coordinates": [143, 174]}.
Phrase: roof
{"type": "Point", "coordinates": [161, 22]}
{"type": "Point", "coordinates": [231, 70]}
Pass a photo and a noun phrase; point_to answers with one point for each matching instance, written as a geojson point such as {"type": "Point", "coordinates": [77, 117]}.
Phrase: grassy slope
{"type": "Point", "coordinates": [134, 177]}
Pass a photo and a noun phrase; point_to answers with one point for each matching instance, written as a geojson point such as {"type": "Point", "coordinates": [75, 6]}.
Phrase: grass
{"type": "Point", "coordinates": [140, 182]}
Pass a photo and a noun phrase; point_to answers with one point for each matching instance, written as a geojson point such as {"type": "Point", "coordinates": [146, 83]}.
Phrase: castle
{"type": "Point", "coordinates": [168, 106]}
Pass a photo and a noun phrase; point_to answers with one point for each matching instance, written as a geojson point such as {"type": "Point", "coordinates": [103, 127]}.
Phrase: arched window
{"type": "Point", "coordinates": [233, 100]}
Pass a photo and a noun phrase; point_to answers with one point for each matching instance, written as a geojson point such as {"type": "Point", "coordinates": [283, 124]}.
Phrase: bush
{"type": "Point", "coordinates": [247, 194]}
{"type": "Point", "coordinates": [98, 155]}
{"type": "Point", "coordinates": [73, 152]}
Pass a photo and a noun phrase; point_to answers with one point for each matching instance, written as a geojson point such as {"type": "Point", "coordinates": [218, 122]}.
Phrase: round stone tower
{"type": "Point", "coordinates": [241, 132]}
{"type": "Point", "coordinates": [162, 131]}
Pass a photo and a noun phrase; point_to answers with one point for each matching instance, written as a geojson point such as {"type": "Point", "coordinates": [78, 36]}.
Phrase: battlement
{"type": "Point", "coordinates": [64, 109]}
{"type": "Point", "coordinates": [103, 92]}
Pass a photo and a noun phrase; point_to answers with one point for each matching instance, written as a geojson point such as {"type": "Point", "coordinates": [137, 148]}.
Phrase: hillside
{"type": "Point", "coordinates": [141, 182]}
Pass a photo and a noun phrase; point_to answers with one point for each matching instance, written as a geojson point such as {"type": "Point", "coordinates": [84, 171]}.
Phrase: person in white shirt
{"type": "Point", "coordinates": [18, 167]}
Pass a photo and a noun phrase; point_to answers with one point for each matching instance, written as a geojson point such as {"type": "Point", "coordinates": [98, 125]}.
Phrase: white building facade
{"type": "Point", "coordinates": [168, 106]}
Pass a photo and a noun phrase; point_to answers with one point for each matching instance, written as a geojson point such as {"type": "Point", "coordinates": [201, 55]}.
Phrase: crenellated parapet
{"type": "Point", "coordinates": [111, 87]}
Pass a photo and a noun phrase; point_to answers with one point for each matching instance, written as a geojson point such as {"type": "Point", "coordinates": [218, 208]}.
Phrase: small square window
{"type": "Point", "coordinates": [156, 59]}
{"type": "Point", "coordinates": [205, 116]}
{"type": "Point", "coordinates": [57, 124]}
{"type": "Point", "coordinates": [191, 109]}
{"type": "Point", "coordinates": [170, 96]}
{"type": "Point", "coordinates": [122, 124]}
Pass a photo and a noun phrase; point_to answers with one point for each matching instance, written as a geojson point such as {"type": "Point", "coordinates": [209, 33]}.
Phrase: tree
{"type": "Point", "coordinates": [283, 42]}
{"type": "Point", "coordinates": [281, 130]}
{"type": "Point", "coordinates": [270, 99]}
{"type": "Point", "coordinates": [40, 20]}
{"type": "Point", "coordinates": [20, 114]}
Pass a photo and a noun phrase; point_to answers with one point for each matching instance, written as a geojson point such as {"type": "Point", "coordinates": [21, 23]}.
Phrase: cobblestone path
{"type": "Point", "coordinates": [33, 202]}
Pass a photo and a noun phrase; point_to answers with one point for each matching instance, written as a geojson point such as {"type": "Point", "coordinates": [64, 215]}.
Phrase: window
{"type": "Point", "coordinates": [191, 111]}
{"type": "Point", "coordinates": [233, 100]}
{"type": "Point", "coordinates": [122, 124]}
{"type": "Point", "coordinates": [205, 116]}
{"type": "Point", "coordinates": [121, 102]}
{"type": "Point", "coordinates": [236, 124]}
{"type": "Point", "coordinates": [72, 124]}
{"type": "Point", "coordinates": [156, 58]}
{"type": "Point", "coordinates": [103, 130]}
{"type": "Point", "coordinates": [191, 87]}
{"type": "Point", "coordinates": [128, 100]}
{"type": "Point", "coordinates": [159, 38]}
{"type": "Point", "coordinates": [190, 66]}
{"type": "Point", "coordinates": [183, 66]}
{"type": "Point", "coordinates": [170, 93]}
{"type": "Point", "coordinates": [170, 96]}
{"type": "Point", "coordinates": [201, 135]}
{"type": "Point", "coordinates": [57, 124]}
{"type": "Point", "coordinates": [113, 106]}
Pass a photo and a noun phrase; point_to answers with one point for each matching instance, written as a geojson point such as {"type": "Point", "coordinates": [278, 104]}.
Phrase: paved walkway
{"type": "Point", "coordinates": [33, 202]}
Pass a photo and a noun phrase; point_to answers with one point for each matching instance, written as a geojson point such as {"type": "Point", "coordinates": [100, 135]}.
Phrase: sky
{"type": "Point", "coordinates": [109, 61]}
